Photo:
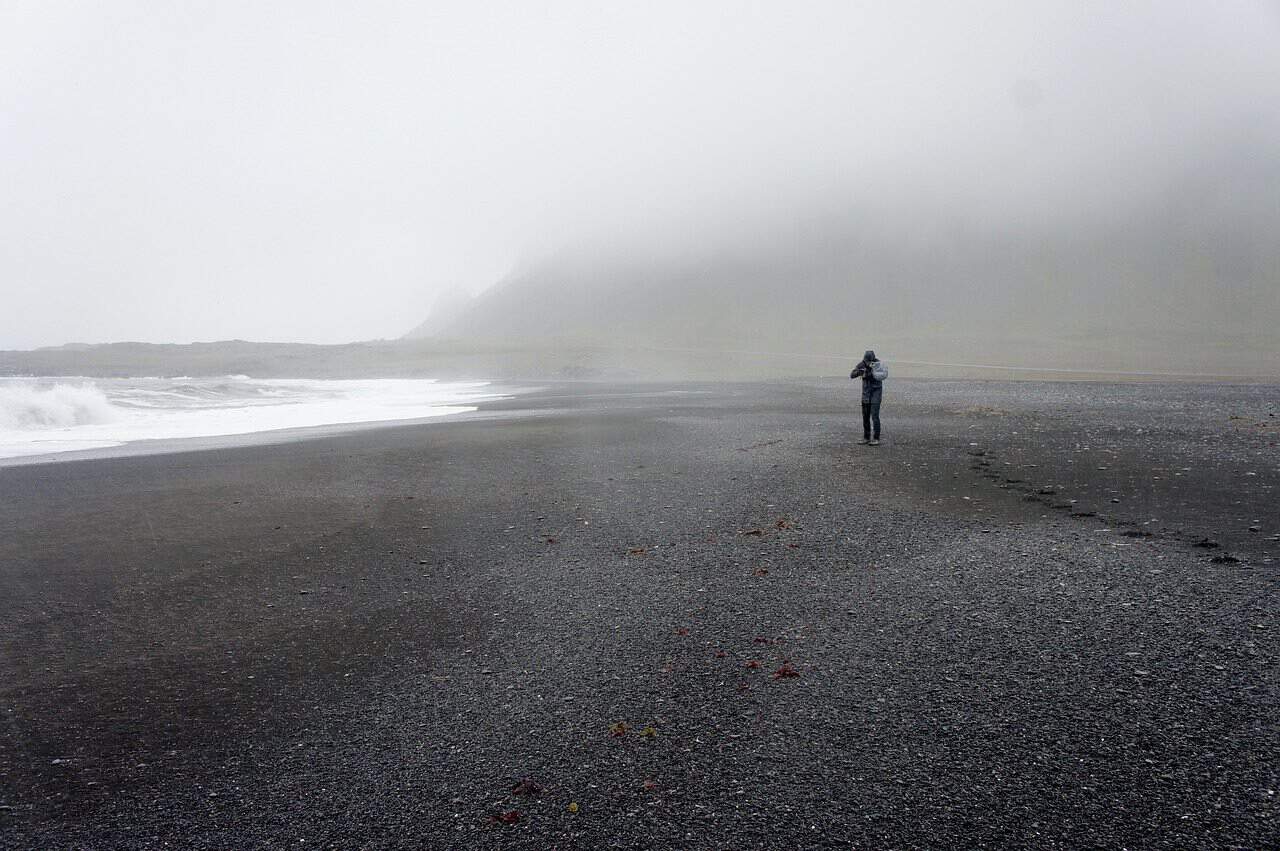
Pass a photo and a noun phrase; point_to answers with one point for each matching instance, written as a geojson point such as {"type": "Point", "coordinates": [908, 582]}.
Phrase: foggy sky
{"type": "Point", "coordinates": [309, 171]}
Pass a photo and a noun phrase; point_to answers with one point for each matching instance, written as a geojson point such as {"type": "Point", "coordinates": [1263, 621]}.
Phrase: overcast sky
{"type": "Point", "coordinates": [316, 171]}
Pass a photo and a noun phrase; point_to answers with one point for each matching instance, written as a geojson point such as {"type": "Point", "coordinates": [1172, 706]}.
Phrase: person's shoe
{"type": "Point", "coordinates": [875, 442]}
{"type": "Point", "coordinates": [864, 441]}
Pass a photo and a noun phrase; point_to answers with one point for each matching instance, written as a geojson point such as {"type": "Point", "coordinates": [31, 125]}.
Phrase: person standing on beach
{"type": "Point", "coordinates": [873, 374]}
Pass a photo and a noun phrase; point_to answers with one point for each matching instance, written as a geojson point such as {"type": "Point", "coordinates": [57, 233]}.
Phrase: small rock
{"type": "Point", "coordinates": [786, 671]}
{"type": "Point", "coordinates": [526, 786]}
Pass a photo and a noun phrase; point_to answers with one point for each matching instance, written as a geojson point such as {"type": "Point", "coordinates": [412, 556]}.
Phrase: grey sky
{"type": "Point", "coordinates": [314, 171]}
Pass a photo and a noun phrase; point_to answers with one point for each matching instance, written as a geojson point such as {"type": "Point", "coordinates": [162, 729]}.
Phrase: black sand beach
{"type": "Point", "coordinates": [688, 615]}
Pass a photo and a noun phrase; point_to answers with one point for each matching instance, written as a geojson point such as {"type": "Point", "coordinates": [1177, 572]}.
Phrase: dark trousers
{"type": "Point", "coordinates": [870, 414]}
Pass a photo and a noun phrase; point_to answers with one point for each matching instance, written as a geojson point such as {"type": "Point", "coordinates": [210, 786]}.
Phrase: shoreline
{"type": "Point", "coordinates": [505, 390]}
{"type": "Point", "coordinates": [178, 445]}
{"type": "Point", "coordinates": [497, 392]}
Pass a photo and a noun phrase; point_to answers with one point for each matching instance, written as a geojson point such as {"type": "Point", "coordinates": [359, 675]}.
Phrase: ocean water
{"type": "Point", "coordinates": [48, 415]}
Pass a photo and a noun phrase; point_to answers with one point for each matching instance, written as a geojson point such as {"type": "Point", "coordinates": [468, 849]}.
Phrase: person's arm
{"type": "Point", "coordinates": [858, 370]}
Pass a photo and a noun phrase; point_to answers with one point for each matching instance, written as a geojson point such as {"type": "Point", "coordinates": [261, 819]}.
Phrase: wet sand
{"type": "Point", "coordinates": [1040, 614]}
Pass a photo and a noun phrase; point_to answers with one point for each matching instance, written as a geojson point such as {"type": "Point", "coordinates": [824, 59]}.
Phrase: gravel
{"type": "Point", "coordinates": [693, 616]}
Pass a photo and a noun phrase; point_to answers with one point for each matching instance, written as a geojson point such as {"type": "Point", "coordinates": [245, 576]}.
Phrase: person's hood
{"type": "Point", "coordinates": [869, 356]}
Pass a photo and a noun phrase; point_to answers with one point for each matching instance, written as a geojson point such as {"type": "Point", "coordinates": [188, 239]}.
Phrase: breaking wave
{"type": "Point", "coordinates": [59, 406]}
{"type": "Point", "coordinates": [42, 416]}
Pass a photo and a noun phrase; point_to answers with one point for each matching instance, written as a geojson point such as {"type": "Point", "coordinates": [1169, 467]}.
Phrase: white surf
{"type": "Point", "coordinates": [51, 415]}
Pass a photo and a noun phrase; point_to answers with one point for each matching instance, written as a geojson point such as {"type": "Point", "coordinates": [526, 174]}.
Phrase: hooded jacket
{"type": "Point", "coordinates": [872, 390]}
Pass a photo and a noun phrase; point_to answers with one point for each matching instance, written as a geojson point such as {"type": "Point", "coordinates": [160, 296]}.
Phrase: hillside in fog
{"type": "Point", "coordinates": [1184, 276]}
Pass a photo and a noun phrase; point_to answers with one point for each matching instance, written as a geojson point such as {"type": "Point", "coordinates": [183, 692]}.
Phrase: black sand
{"type": "Point", "coordinates": [1003, 630]}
